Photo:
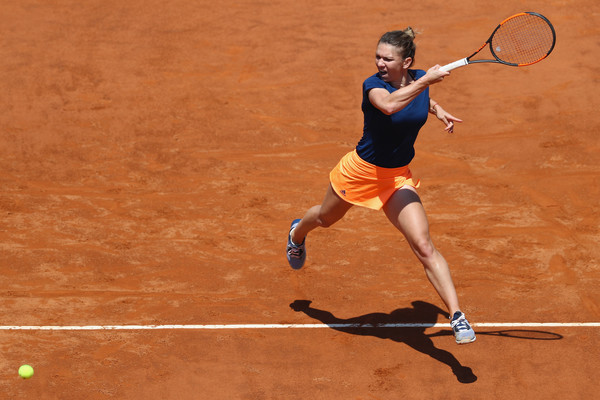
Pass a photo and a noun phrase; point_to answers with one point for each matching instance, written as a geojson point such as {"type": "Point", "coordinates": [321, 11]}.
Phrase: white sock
{"type": "Point", "coordinates": [294, 243]}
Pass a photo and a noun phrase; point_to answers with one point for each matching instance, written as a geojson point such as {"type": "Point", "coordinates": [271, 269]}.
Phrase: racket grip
{"type": "Point", "coordinates": [455, 64]}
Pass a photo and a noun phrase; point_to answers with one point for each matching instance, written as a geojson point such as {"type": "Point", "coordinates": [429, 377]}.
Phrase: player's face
{"type": "Point", "coordinates": [389, 62]}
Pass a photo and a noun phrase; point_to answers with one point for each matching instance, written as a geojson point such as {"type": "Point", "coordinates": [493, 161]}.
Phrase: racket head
{"type": "Point", "coordinates": [523, 39]}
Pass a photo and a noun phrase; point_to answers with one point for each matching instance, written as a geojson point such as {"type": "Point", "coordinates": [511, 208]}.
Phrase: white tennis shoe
{"type": "Point", "coordinates": [463, 333]}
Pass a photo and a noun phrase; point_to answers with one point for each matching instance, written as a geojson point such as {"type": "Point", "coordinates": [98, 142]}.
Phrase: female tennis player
{"type": "Point", "coordinates": [376, 173]}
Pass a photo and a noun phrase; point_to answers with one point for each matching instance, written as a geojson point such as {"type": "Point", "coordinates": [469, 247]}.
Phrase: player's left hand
{"type": "Point", "coordinates": [447, 118]}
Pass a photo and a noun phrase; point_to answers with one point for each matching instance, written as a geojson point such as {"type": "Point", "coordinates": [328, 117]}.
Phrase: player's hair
{"type": "Point", "coordinates": [403, 40]}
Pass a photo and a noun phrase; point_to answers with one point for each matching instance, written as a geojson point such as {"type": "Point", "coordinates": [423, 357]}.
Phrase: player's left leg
{"type": "Point", "coordinates": [405, 211]}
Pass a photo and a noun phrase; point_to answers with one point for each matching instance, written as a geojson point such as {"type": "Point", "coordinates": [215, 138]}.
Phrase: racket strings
{"type": "Point", "coordinates": [523, 39]}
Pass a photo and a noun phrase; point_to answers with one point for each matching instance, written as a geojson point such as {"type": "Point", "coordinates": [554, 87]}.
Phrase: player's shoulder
{"type": "Point", "coordinates": [374, 78]}
{"type": "Point", "coordinates": [417, 73]}
{"type": "Point", "coordinates": [374, 81]}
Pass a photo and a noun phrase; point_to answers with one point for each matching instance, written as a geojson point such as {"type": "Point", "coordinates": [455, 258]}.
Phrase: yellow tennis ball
{"type": "Point", "coordinates": [25, 371]}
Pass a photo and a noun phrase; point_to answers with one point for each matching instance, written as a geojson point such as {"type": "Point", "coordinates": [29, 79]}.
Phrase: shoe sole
{"type": "Point", "coordinates": [466, 341]}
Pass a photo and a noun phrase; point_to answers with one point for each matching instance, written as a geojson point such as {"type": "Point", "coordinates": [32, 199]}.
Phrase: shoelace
{"type": "Point", "coordinates": [295, 251]}
{"type": "Point", "coordinates": [460, 324]}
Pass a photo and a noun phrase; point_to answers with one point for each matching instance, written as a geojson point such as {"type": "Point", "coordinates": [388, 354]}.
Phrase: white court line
{"type": "Point", "coordinates": [295, 326]}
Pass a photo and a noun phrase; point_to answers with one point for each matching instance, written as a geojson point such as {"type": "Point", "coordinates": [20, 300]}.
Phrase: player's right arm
{"type": "Point", "coordinates": [389, 103]}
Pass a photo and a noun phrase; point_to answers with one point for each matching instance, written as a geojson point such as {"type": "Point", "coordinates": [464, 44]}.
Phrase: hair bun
{"type": "Point", "coordinates": [410, 32]}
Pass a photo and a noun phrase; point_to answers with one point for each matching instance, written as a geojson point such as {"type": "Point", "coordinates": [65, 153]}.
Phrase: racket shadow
{"type": "Point", "coordinates": [526, 334]}
{"type": "Point", "coordinates": [415, 337]}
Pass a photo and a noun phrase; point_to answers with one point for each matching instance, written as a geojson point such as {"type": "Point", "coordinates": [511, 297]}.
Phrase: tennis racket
{"type": "Point", "coordinates": [520, 40]}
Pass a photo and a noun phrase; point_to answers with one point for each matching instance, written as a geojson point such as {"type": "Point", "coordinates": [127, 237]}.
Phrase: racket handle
{"type": "Point", "coordinates": [455, 64]}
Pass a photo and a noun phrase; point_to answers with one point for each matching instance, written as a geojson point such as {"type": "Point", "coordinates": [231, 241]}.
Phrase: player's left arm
{"type": "Point", "coordinates": [448, 119]}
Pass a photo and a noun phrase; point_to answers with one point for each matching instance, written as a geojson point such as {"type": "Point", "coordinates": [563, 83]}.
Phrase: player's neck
{"type": "Point", "coordinates": [406, 80]}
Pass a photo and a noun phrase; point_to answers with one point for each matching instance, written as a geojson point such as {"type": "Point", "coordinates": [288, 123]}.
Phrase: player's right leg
{"type": "Point", "coordinates": [329, 212]}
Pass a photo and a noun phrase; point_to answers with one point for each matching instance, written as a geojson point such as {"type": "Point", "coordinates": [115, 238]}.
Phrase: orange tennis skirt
{"type": "Point", "coordinates": [364, 184]}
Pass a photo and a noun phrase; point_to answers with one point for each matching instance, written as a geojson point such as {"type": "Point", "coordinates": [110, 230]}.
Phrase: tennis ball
{"type": "Point", "coordinates": [25, 371]}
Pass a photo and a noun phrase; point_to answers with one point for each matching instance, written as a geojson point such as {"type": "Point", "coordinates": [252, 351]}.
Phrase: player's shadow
{"type": "Point", "coordinates": [415, 337]}
{"type": "Point", "coordinates": [423, 314]}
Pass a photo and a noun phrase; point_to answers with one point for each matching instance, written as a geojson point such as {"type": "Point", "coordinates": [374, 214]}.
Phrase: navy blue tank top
{"type": "Point", "coordinates": [388, 140]}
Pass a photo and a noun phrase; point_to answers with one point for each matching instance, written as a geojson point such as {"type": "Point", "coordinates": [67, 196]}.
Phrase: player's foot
{"type": "Point", "coordinates": [296, 253]}
{"type": "Point", "coordinates": [463, 333]}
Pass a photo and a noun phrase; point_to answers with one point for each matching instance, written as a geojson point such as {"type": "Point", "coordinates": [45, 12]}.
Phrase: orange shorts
{"type": "Point", "coordinates": [364, 184]}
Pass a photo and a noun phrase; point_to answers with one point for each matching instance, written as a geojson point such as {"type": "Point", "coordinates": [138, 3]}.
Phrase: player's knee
{"type": "Point", "coordinates": [326, 221]}
{"type": "Point", "coordinates": [423, 247]}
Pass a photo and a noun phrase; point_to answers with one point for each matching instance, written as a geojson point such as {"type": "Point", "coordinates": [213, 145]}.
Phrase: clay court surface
{"type": "Point", "coordinates": [153, 154]}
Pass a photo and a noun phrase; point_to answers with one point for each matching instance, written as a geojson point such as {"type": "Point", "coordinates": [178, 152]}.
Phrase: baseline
{"type": "Point", "coordinates": [295, 326]}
